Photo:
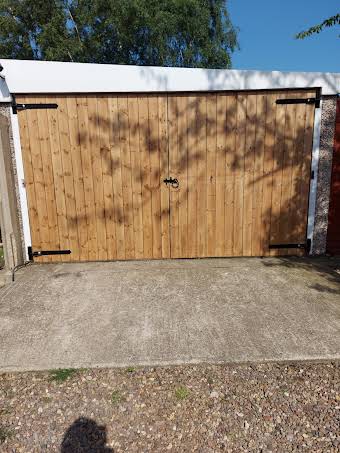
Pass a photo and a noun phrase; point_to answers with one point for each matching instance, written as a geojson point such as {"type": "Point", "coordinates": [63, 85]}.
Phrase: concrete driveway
{"type": "Point", "coordinates": [170, 312]}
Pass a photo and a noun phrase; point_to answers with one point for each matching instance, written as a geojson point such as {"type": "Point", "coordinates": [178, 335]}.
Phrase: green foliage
{"type": "Point", "coordinates": [182, 393]}
{"type": "Point", "coordinates": [143, 32]}
{"type": "Point", "coordinates": [2, 260]}
{"type": "Point", "coordinates": [62, 374]}
{"type": "Point", "coordinates": [116, 397]}
{"type": "Point", "coordinates": [5, 434]}
{"type": "Point", "coordinates": [330, 22]}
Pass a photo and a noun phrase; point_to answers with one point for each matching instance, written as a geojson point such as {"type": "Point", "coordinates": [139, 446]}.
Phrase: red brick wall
{"type": "Point", "coordinates": [333, 234]}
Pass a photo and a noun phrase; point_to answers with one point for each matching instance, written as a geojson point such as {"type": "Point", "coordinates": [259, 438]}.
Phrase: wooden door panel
{"type": "Point", "coordinates": [243, 165]}
{"type": "Point", "coordinates": [93, 174]}
{"type": "Point", "coordinates": [95, 167]}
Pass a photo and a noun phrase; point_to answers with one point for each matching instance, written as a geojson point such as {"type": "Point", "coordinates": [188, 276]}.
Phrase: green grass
{"type": "Point", "coordinates": [130, 369]}
{"type": "Point", "coordinates": [182, 393]}
{"type": "Point", "coordinates": [5, 434]}
{"type": "Point", "coordinates": [2, 260]}
{"type": "Point", "coordinates": [62, 374]}
{"type": "Point", "coordinates": [116, 397]}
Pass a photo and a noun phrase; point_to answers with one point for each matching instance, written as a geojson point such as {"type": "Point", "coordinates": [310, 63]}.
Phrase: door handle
{"type": "Point", "coordinates": [172, 181]}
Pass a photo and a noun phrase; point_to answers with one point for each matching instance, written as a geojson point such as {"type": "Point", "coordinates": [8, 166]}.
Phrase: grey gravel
{"type": "Point", "coordinates": [270, 407]}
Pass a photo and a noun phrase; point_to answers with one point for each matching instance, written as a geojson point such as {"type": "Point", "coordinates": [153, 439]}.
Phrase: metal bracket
{"type": "Point", "coordinates": [315, 101]}
{"type": "Point", "coordinates": [301, 245]}
{"type": "Point", "coordinates": [32, 255]}
{"type": "Point", "coordinates": [19, 107]}
{"type": "Point", "coordinates": [172, 181]}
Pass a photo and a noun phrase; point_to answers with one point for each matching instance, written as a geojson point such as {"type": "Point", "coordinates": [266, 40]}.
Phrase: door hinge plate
{"type": "Point", "coordinates": [312, 101]}
{"type": "Point", "coordinates": [299, 245]}
{"type": "Point", "coordinates": [32, 254]}
{"type": "Point", "coordinates": [19, 107]}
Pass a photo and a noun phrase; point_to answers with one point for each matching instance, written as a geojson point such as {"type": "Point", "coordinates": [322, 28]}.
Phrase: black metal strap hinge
{"type": "Point", "coordinates": [19, 107]}
{"type": "Point", "coordinates": [300, 245]}
{"type": "Point", "coordinates": [32, 255]}
{"type": "Point", "coordinates": [312, 101]}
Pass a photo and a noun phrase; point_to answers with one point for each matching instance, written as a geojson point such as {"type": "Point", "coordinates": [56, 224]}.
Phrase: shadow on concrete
{"type": "Point", "coordinates": [85, 436]}
{"type": "Point", "coordinates": [323, 266]}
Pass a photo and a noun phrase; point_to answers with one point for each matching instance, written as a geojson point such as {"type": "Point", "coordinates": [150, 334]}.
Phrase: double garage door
{"type": "Point", "coordinates": [167, 175]}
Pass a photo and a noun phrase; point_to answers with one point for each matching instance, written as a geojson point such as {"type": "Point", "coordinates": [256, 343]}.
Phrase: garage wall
{"type": "Point", "coordinates": [324, 174]}
{"type": "Point", "coordinates": [333, 234]}
{"type": "Point", "coordinates": [18, 244]}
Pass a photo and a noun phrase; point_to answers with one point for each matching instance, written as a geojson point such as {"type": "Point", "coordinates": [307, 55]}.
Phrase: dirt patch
{"type": "Point", "coordinates": [263, 407]}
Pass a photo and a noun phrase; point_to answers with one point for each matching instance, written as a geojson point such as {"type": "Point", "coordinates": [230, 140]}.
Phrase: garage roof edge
{"type": "Point", "coordinates": [25, 76]}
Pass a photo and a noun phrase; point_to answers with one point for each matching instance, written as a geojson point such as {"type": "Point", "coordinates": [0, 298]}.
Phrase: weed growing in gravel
{"type": "Point", "coordinates": [182, 393]}
{"type": "Point", "coordinates": [5, 433]}
{"type": "Point", "coordinates": [130, 369]}
{"type": "Point", "coordinates": [116, 397]}
{"type": "Point", "coordinates": [62, 374]}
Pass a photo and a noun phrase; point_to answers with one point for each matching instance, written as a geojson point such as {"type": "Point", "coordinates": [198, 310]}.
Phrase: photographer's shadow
{"type": "Point", "coordinates": [85, 436]}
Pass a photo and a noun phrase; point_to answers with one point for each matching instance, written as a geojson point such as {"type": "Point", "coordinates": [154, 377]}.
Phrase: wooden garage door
{"type": "Point", "coordinates": [94, 172]}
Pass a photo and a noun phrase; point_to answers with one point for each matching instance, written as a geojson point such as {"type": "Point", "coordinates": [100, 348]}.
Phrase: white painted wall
{"type": "Point", "coordinates": [23, 76]}
{"type": "Point", "coordinates": [21, 184]}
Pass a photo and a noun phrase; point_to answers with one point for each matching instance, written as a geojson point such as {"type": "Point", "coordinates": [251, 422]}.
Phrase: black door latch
{"type": "Point", "coordinates": [172, 181]}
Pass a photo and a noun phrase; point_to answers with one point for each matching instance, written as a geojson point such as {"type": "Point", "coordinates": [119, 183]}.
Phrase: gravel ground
{"type": "Point", "coordinates": [205, 408]}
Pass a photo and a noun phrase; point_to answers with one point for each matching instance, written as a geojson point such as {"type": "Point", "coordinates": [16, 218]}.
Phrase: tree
{"type": "Point", "coordinates": [143, 32]}
{"type": "Point", "coordinates": [330, 22]}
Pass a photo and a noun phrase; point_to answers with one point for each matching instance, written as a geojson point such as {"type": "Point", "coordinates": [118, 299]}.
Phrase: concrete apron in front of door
{"type": "Point", "coordinates": [169, 312]}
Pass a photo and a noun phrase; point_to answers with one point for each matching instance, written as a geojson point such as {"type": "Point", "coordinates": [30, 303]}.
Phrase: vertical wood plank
{"type": "Point", "coordinates": [58, 181]}
{"type": "Point", "coordinates": [192, 175]}
{"type": "Point", "coordinates": [36, 146]}
{"type": "Point", "coordinates": [136, 175]}
{"type": "Point", "coordinates": [123, 116]}
{"type": "Point", "coordinates": [258, 184]}
{"type": "Point", "coordinates": [202, 176]}
{"type": "Point", "coordinates": [220, 174]}
{"type": "Point", "coordinates": [54, 242]}
{"type": "Point", "coordinates": [65, 147]}
{"type": "Point", "coordinates": [285, 225]}
{"type": "Point", "coordinates": [155, 176]}
{"type": "Point", "coordinates": [239, 174]}
{"type": "Point", "coordinates": [277, 174]}
{"type": "Point", "coordinates": [25, 127]}
{"type": "Point", "coordinates": [86, 160]}
{"type": "Point", "coordinates": [269, 142]}
{"type": "Point", "coordinates": [106, 165]}
{"type": "Point", "coordinates": [231, 125]}
{"type": "Point", "coordinates": [212, 183]}
{"type": "Point", "coordinates": [248, 184]}
{"type": "Point", "coordinates": [164, 173]}
{"type": "Point", "coordinates": [182, 168]}
{"type": "Point", "coordinates": [173, 170]}
{"type": "Point", "coordinates": [77, 174]}
{"type": "Point", "coordinates": [146, 183]}
{"type": "Point", "coordinates": [95, 121]}
{"type": "Point", "coordinates": [117, 184]}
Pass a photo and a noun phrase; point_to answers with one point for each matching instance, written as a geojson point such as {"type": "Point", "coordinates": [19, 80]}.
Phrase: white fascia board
{"type": "Point", "coordinates": [24, 76]}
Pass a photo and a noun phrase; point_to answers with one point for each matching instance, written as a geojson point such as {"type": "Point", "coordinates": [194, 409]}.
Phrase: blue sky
{"type": "Point", "coordinates": [267, 30]}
